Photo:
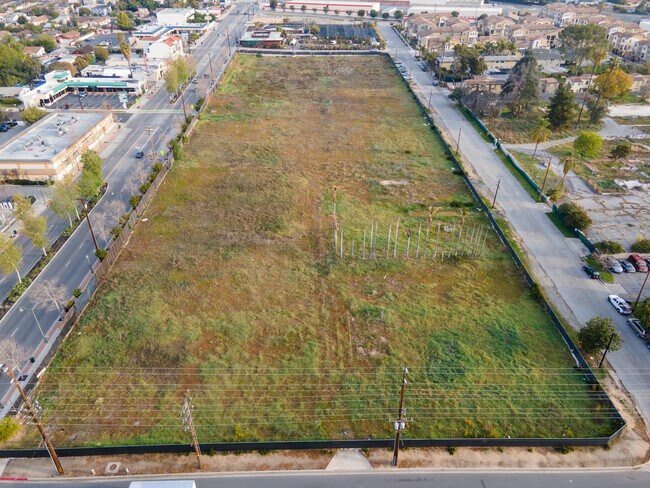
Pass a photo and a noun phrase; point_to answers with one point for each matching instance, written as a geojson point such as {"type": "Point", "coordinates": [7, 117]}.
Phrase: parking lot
{"type": "Point", "coordinates": [106, 101]}
{"type": "Point", "coordinates": [14, 131]}
{"type": "Point", "coordinates": [628, 285]}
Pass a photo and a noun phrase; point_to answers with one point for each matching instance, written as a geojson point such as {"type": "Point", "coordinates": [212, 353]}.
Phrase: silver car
{"type": "Point", "coordinates": [614, 265]}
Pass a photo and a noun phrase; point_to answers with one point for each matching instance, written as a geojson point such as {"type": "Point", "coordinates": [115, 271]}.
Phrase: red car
{"type": "Point", "coordinates": [638, 262]}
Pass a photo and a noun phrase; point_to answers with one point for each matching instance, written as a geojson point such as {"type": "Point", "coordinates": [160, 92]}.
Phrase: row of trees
{"type": "Point", "coordinates": [274, 4]}
{"type": "Point", "coordinates": [64, 203]}
{"type": "Point", "coordinates": [179, 73]}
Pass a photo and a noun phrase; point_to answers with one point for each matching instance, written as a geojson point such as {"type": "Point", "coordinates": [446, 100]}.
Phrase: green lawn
{"type": "Point", "coordinates": [536, 169]}
{"type": "Point", "coordinates": [231, 289]}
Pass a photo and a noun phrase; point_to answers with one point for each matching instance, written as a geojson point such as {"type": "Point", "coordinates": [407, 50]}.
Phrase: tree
{"type": "Point", "coordinates": [373, 13]}
{"type": "Point", "coordinates": [562, 108]}
{"type": "Point", "coordinates": [621, 150]}
{"type": "Point", "coordinates": [22, 20]}
{"type": "Point", "coordinates": [641, 245]}
{"type": "Point", "coordinates": [609, 247]}
{"type": "Point", "coordinates": [541, 133]}
{"type": "Point", "coordinates": [482, 16]}
{"type": "Point", "coordinates": [60, 65]}
{"type": "Point", "coordinates": [125, 49]}
{"type": "Point", "coordinates": [124, 22]}
{"type": "Point", "coordinates": [84, 12]}
{"type": "Point", "coordinates": [613, 84]}
{"type": "Point", "coordinates": [12, 354]}
{"type": "Point", "coordinates": [596, 111]}
{"type": "Point", "coordinates": [91, 174]}
{"type": "Point", "coordinates": [349, 12]}
{"type": "Point", "coordinates": [15, 67]}
{"type": "Point", "coordinates": [596, 334]}
{"type": "Point", "coordinates": [171, 80]}
{"type": "Point", "coordinates": [455, 13]}
{"type": "Point", "coordinates": [587, 144]}
{"type": "Point", "coordinates": [315, 30]}
{"type": "Point", "coordinates": [46, 42]}
{"type": "Point", "coordinates": [642, 311]}
{"type": "Point", "coordinates": [35, 229]}
{"type": "Point", "coordinates": [64, 197]}
{"type": "Point", "coordinates": [468, 62]}
{"type": "Point", "coordinates": [579, 41]}
{"type": "Point", "coordinates": [596, 56]}
{"type": "Point", "coordinates": [101, 53]}
{"type": "Point", "coordinates": [10, 256]}
{"type": "Point", "coordinates": [49, 294]}
{"type": "Point", "coordinates": [81, 63]}
{"type": "Point", "coordinates": [385, 15]}
{"type": "Point", "coordinates": [23, 209]}
{"type": "Point", "coordinates": [575, 216]}
{"type": "Point", "coordinates": [398, 14]}
{"type": "Point", "coordinates": [569, 164]}
{"type": "Point", "coordinates": [523, 84]}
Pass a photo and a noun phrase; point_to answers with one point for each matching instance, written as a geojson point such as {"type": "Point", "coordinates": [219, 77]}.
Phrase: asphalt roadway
{"type": "Point", "coordinates": [73, 262]}
{"type": "Point", "coordinates": [555, 261]}
{"type": "Point", "coordinates": [384, 479]}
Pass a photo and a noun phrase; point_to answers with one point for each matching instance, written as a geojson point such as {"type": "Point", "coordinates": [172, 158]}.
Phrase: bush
{"type": "Point", "coordinates": [116, 231]}
{"type": "Point", "coordinates": [144, 187]}
{"type": "Point", "coordinates": [134, 200]}
{"type": "Point", "coordinates": [588, 144]}
{"type": "Point", "coordinates": [156, 168]}
{"type": "Point", "coordinates": [32, 114]}
{"type": "Point", "coordinates": [621, 150]}
{"type": "Point", "coordinates": [596, 334]}
{"type": "Point", "coordinates": [641, 245]}
{"type": "Point", "coordinates": [68, 305]}
{"type": "Point", "coordinates": [101, 254]}
{"type": "Point", "coordinates": [575, 216]}
{"type": "Point", "coordinates": [8, 428]}
{"type": "Point", "coordinates": [609, 247]}
{"type": "Point", "coordinates": [77, 292]}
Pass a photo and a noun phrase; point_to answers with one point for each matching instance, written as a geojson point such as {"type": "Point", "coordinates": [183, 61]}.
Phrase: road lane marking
{"type": "Point", "coordinates": [66, 264]}
{"type": "Point", "coordinates": [14, 332]}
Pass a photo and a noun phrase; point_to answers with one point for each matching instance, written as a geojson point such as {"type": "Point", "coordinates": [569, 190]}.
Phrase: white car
{"type": "Point", "coordinates": [620, 305]}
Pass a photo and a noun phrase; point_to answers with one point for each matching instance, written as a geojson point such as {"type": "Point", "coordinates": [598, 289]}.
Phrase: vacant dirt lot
{"type": "Point", "coordinates": [231, 289]}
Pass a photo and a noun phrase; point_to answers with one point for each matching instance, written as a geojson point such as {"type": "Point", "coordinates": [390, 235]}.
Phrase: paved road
{"type": "Point", "coordinates": [73, 262]}
{"type": "Point", "coordinates": [554, 260]}
{"type": "Point", "coordinates": [408, 479]}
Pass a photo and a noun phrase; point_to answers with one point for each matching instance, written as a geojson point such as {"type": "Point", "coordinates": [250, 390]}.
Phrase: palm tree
{"type": "Point", "coordinates": [597, 56]}
{"type": "Point", "coordinates": [125, 49]}
{"type": "Point", "coordinates": [539, 134]}
{"type": "Point", "coordinates": [569, 164]}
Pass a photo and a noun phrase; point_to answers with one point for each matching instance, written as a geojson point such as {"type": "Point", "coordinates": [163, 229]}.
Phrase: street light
{"type": "Point", "coordinates": [37, 322]}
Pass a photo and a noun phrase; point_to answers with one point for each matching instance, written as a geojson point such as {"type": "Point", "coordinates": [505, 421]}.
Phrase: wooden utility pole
{"type": "Point", "coordinates": [460, 131]}
{"type": "Point", "coordinates": [400, 423]}
{"type": "Point", "coordinates": [611, 338]}
{"type": "Point", "coordinates": [92, 233]}
{"type": "Point", "coordinates": [37, 422]}
{"type": "Point", "coordinates": [494, 200]}
{"type": "Point", "coordinates": [638, 297]}
{"type": "Point", "coordinates": [183, 100]}
{"type": "Point", "coordinates": [151, 130]}
{"type": "Point", "coordinates": [186, 414]}
{"type": "Point", "coordinates": [548, 167]}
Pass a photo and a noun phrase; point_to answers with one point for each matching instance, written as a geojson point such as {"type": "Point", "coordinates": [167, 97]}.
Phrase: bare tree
{"type": "Point", "coordinates": [115, 209]}
{"type": "Point", "coordinates": [12, 354]}
{"type": "Point", "coordinates": [141, 174]}
{"type": "Point", "coordinates": [49, 294]}
{"type": "Point", "coordinates": [101, 226]}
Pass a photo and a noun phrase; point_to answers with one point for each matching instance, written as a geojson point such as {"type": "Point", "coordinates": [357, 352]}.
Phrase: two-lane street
{"type": "Point", "coordinates": [73, 262]}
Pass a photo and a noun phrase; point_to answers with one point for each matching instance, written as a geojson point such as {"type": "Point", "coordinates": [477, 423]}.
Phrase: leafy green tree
{"type": "Point", "coordinates": [641, 245]}
{"type": "Point", "coordinates": [91, 174]}
{"type": "Point", "coordinates": [32, 114]}
{"type": "Point", "coordinates": [361, 13]}
{"type": "Point", "coordinates": [15, 67]}
{"type": "Point", "coordinates": [642, 311]}
{"type": "Point", "coordinates": [315, 30]}
{"type": "Point", "coordinates": [621, 150]}
{"type": "Point", "coordinates": [64, 197]}
{"type": "Point", "coordinates": [540, 134]}
{"type": "Point", "coordinates": [101, 53]}
{"type": "Point", "coordinates": [523, 84]}
{"type": "Point", "coordinates": [596, 111]}
{"type": "Point", "coordinates": [303, 7]}
{"type": "Point", "coordinates": [60, 65]}
{"type": "Point", "coordinates": [469, 61]}
{"type": "Point", "coordinates": [455, 13]}
{"type": "Point", "coordinates": [171, 80]}
{"type": "Point", "coordinates": [596, 56]}
{"type": "Point", "coordinates": [46, 42]}
{"type": "Point", "coordinates": [273, 4]}
{"type": "Point", "coordinates": [569, 165]}
{"type": "Point", "coordinates": [562, 108]}
{"type": "Point", "coordinates": [22, 20]}
{"type": "Point", "coordinates": [23, 209]}
{"type": "Point", "coordinates": [84, 12]}
{"type": "Point", "coordinates": [10, 256]}
{"type": "Point", "coordinates": [588, 144]}
{"type": "Point", "coordinates": [575, 216]}
{"type": "Point", "coordinates": [8, 428]}
{"type": "Point", "coordinates": [613, 84]}
{"type": "Point", "coordinates": [36, 229]}
{"type": "Point", "coordinates": [595, 336]}
{"type": "Point", "coordinates": [125, 49]}
{"type": "Point", "coordinates": [81, 63]}
{"type": "Point", "coordinates": [123, 21]}
{"type": "Point", "coordinates": [609, 247]}
{"type": "Point", "coordinates": [579, 41]}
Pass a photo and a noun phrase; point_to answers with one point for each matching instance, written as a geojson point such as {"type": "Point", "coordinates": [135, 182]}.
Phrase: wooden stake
{"type": "Point", "coordinates": [417, 249]}
{"type": "Point", "coordinates": [364, 243]}
{"type": "Point", "coordinates": [451, 242]}
{"type": "Point", "coordinates": [484, 239]}
{"type": "Point", "coordinates": [435, 251]}
{"type": "Point", "coordinates": [341, 243]}
{"type": "Point", "coordinates": [353, 248]}
{"type": "Point", "coordinates": [390, 229]}
{"type": "Point", "coordinates": [426, 240]}
{"type": "Point", "coordinates": [396, 236]}
{"type": "Point", "coordinates": [376, 235]}
{"type": "Point", "coordinates": [471, 241]}
{"type": "Point", "coordinates": [372, 229]}
{"type": "Point", "coordinates": [460, 235]}
{"type": "Point", "coordinates": [408, 241]}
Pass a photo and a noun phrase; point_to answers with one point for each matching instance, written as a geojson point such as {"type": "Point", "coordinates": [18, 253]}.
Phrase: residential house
{"type": "Point", "coordinates": [101, 10]}
{"type": "Point", "coordinates": [625, 44]}
{"type": "Point", "coordinates": [34, 51]}
{"type": "Point", "coordinates": [418, 24]}
{"type": "Point", "coordinates": [640, 84]}
{"type": "Point", "coordinates": [40, 20]}
{"type": "Point", "coordinates": [549, 60]}
{"type": "Point", "coordinates": [457, 31]}
{"type": "Point", "coordinates": [496, 63]}
{"type": "Point", "coordinates": [640, 50]}
{"type": "Point", "coordinates": [580, 84]}
{"type": "Point", "coordinates": [534, 36]}
{"type": "Point", "coordinates": [564, 14]}
{"type": "Point", "coordinates": [67, 38]}
{"type": "Point", "coordinates": [495, 25]}
{"type": "Point", "coordinates": [93, 22]}
{"type": "Point", "coordinates": [548, 86]}
{"type": "Point", "coordinates": [168, 48]}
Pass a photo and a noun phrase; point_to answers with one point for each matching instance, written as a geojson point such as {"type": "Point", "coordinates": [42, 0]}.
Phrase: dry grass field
{"type": "Point", "coordinates": [231, 289]}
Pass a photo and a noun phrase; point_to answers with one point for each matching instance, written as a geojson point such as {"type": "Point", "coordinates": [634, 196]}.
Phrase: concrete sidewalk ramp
{"type": "Point", "coordinates": [349, 460]}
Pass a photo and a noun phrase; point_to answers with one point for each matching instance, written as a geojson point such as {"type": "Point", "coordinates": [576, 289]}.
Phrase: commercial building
{"type": "Point", "coordinates": [53, 146]}
{"type": "Point", "coordinates": [262, 38]}
{"type": "Point", "coordinates": [174, 16]}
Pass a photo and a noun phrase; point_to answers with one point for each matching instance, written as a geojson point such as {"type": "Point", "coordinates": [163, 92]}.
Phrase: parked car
{"type": "Point", "coordinates": [593, 274]}
{"type": "Point", "coordinates": [638, 262]}
{"type": "Point", "coordinates": [3, 368]}
{"type": "Point", "coordinates": [620, 305]}
{"type": "Point", "coordinates": [614, 265]}
{"type": "Point", "coordinates": [4, 127]}
{"type": "Point", "coordinates": [139, 154]}
{"type": "Point", "coordinates": [638, 328]}
{"type": "Point", "coordinates": [83, 94]}
{"type": "Point", "coordinates": [627, 266]}
{"type": "Point", "coordinates": [12, 123]}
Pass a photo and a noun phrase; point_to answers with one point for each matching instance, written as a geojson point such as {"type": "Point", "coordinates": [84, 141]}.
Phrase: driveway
{"type": "Point", "coordinates": [554, 260]}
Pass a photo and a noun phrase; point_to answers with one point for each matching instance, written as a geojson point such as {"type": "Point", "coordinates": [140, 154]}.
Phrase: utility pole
{"type": "Point", "coordinates": [79, 96]}
{"type": "Point", "coordinates": [188, 423]}
{"type": "Point", "coordinates": [611, 338]}
{"type": "Point", "coordinates": [460, 131]}
{"type": "Point", "coordinates": [37, 422]}
{"type": "Point", "coordinates": [151, 130]}
{"type": "Point", "coordinates": [228, 39]}
{"type": "Point", "coordinates": [638, 297]}
{"type": "Point", "coordinates": [548, 167]}
{"type": "Point", "coordinates": [183, 100]}
{"type": "Point", "coordinates": [494, 201]}
{"type": "Point", "coordinates": [430, 93]}
{"type": "Point", "coordinates": [83, 205]}
{"type": "Point", "coordinates": [400, 423]}
{"type": "Point", "coordinates": [211, 70]}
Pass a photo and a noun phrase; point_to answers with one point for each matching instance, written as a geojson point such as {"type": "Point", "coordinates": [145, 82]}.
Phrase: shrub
{"type": "Point", "coordinates": [451, 450]}
{"type": "Point", "coordinates": [156, 168]}
{"type": "Point", "coordinates": [8, 428]}
{"type": "Point", "coordinates": [609, 247]}
{"type": "Point", "coordinates": [116, 231]}
{"type": "Point", "coordinates": [621, 150]}
{"type": "Point", "coordinates": [77, 292]}
{"type": "Point", "coordinates": [144, 187]}
{"type": "Point", "coordinates": [596, 334]}
{"type": "Point", "coordinates": [575, 216]}
{"type": "Point", "coordinates": [176, 150]}
{"type": "Point", "coordinates": [588, 144]}
{"type": "Point", "coordinates": [641, 245]}
{"type": "Point", "coordinates": [134, 200]}
{"type": "Point", "coordinates": [68, 305]}
{"type": "Point", "coordinates": [101, 254]}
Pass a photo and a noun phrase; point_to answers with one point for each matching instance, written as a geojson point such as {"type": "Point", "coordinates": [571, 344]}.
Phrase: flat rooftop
{"type": "Point", "coordinates": [49, 136]}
